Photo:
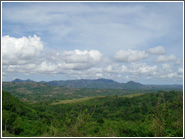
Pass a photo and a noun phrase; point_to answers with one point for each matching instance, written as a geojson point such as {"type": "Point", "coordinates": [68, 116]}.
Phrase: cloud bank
{"type": "Point", "coordinates": [28, 55]}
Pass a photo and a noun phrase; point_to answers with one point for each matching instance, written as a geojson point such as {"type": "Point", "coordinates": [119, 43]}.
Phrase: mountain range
{"type": "Point", "coordinates": [105, 83]}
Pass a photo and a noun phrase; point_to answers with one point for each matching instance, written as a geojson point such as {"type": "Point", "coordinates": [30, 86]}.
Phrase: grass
{"type": "Point", "coordinates": [132, 95]}
{"type": "Point", "coordinates": [74, 100]}
{"type": "Point", "coordinates": [77, 100]}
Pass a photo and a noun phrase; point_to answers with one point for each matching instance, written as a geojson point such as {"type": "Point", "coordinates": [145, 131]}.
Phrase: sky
{"type": "Point", "coordinates": [122, 41]}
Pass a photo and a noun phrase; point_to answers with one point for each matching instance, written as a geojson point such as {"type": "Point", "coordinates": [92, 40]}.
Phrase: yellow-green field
{"type": "Point", "coordinates": [77, 100]}
{"type": "Point", "coordinates": [74, 100]}
{"type": "Point", "coordinates": [133, 95]}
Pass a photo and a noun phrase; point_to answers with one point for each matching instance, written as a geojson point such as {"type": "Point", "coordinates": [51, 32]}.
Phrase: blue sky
{"type": "Point", "coordinates": [123, 41]}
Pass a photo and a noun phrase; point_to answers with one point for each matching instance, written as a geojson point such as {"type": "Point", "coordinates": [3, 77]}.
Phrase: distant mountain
{"type": "Point", "coordinates": [19, 80]}
{"type": "Point", "coordinates": [97, 83]}
{"type": "Point", "coordinates": [104, 80]}
{"type": "Point", "coordinates": [165, 87]}
{"type": "Point", "coordinates": [133, 85]}
{"type": "Point", "coordinates": [106, 84]}
{"type": "Point", "coordinates": [86, 83]}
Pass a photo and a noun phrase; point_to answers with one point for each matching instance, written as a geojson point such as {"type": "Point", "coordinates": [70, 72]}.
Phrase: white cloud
{"type": "Point", "coordinates": [171, 58]}
{"type": "Point", "coordinates": [130, 55]}
{"type": "Point", "coordinates": [142, 68]}
{"type": "Point", "coordinates": [173, 75]}
{"type": "Point", "coordinates": [133, 69]}
{"type": "Point", "coordinates": [113, 68]}
{"type": "Point", "coordinates": [123, 68]}
{"type": "Point", "coordinates": [23, 55]}
{"type": "Point", "coordinates": [166, 66]}
{"type": "Point", "coordinates": [99, 75]}
{"type": "Point", "coordinates": [159, 50]}
{"type": "Point", "coordinates": [162, 58]}
{"type": "Point", "coordinates": [79, 60]}
{"type": "Point", "coordinates": [169, 72]}
{"type": "Point", "coordinates": [20, 50]}
{"type": "Point", "coordinates": [180, 71]}
{"type": "Point", "coordinates": [46, 67]}
{"type": "Point", "coordinates": [78, 56]}
{"type": "Point", "coordinates": [177, 62]}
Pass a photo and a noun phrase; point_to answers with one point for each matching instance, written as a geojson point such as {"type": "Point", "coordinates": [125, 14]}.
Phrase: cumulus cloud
{"type": "Point", "coordinates": [27, 55]}
{"type": "Point", "coordinates": [79, 60]}
{"type": "Point", "coordinates": [143, 68]}
{"type": "Point", "coordinates": [78, 56]}
{"type": "Point", "coordinates": [159, 50]}
{"type": "Point", "coordinates": [123, 68]}
{"type": "Point", "coordinates": [46, 67]}
{"type": "Point", "coordinates": [177, 62]}
{"type": "Point", "coordinates": [130, 55]}
{"type": "Point", "coordinates": [180, 71]}
{"type": "Point", "coordinates": [171, 75]}
{"type": "Point", "coordinates": [73, 61]}
{"type": "Point", "coordinates": [20, 50]}
{"type": "Point", "coordinates": [50, 62]}
{"type": "Point", "coordinates": [169, 72]}
{"type": "Point", "coordinates": [166, 66]}
{"type": "Point", "coordinates": [171, 58]}
{"type": "Point", "coordinates": [113, 68]}
{"type": "Point", "coordinates": [133, 69]}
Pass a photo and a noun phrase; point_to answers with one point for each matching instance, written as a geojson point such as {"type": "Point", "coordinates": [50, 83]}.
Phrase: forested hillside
{"type": "Point", "coordinates": [145, 115]}
{"type": "Point", "coordinates": [34, 92]}
{"type": "Point", "coordinates": [31, 91]}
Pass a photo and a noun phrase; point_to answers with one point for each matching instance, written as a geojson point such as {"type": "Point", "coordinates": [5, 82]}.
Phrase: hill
{"type": "Point", "coordinates": [19, 119]}
{"type": "Point", "coordinates": [147, 115]}
{"type": "Point", "coordinates": [107, 84]}
{"type": "Point", "coordinates": [33, 91]}
{"type": "Point", "coordinates": [19, 80]}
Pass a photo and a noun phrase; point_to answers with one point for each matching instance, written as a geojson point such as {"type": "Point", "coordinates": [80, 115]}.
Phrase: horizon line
{"type": "Point", "coordinates": [89, 79]}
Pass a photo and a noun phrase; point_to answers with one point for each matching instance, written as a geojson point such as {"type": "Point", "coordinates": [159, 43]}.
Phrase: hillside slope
{"type": "Point", "coordinates": [19, 119]}
{"type": "Point", "coordinates": [148, 115]}
{"type": "Point", "coordinates": [33, 92]}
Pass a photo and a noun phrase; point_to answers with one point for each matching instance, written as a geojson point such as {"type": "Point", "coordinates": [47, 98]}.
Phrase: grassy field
{"type": "Point", "coordinates": [74, 100]}
{"type": "Point", "coordinates": [132, 95]}
{"type": "Point", "coordinates": [88, 98]}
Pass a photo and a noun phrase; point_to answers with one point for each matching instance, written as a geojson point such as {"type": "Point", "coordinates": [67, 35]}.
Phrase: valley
{"type": "Point", "coordinates": [87, 69]}
{"type": "Point", "coordinates": [40, 109]}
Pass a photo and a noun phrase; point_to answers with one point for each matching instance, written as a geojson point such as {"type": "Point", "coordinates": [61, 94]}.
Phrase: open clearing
{"type": "Point", "coordinates": [133, 95]}
{"type": "Point", "coordinates": [74, 100]}
{"type": "Point", "coordinates": [88, 98]}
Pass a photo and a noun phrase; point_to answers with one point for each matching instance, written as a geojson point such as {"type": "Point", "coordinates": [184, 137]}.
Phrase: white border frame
{"type": "Point", "coordinates": [86, 2]}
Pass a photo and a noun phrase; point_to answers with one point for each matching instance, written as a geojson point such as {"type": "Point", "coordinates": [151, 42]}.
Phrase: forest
{"type": "Point", "coordinates": [143, 114]}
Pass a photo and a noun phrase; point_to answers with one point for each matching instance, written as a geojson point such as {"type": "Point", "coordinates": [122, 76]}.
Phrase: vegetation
{"type": "Point", "coordinates": [34, 92]}
{"type": "Point", "coordinates": [146, 115]}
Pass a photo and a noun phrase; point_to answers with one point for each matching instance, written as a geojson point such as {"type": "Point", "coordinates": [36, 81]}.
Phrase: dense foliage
{"type": "Point", "coordinates": [148, 115]}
